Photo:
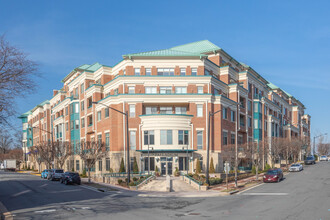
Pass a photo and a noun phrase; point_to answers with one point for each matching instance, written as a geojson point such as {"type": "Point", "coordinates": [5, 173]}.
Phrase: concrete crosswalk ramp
{"type": "Point", "coordinates": [159, 185]}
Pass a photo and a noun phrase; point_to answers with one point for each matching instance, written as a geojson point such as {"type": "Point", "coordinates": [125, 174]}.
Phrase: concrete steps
{"type": "Point", "coordinates": [159, 185]}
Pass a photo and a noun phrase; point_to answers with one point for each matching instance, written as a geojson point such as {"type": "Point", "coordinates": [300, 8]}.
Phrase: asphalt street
{"type": "Point", "coordinates": [302, 195]}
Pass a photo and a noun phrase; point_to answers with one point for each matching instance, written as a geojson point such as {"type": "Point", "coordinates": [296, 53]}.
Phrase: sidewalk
{"type": "Point", "coordinates": [29, 172]}
{"type": "Point", "coordinates": [240, 183]}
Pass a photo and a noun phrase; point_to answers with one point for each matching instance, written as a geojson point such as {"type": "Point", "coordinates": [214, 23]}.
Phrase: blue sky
{"type": "Point", "coordinates": [287, 42]}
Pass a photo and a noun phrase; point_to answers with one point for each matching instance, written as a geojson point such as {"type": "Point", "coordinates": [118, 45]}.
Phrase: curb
{"type": "Point", "coordinates": [4, 213]}
{"type": "Point", "coordinates": [233, 192]}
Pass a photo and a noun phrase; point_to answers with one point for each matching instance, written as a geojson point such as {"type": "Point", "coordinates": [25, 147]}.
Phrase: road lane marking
{"type": "Point", "coordinates": [47, 210]}
{"type": "Point", "coordinates": [250, 188]}
{"type": "Point", "coordinates": [21, 193]}
{"type": "Point", "coordinates": [85, 208]}
{"type": "Point", "coordinates": [266, 194]}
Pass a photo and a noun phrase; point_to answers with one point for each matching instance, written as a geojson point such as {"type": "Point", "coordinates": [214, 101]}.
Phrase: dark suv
{"type": "Point", "coordinates": [310, 160]}
{"type": "Point", "coordinates": [55, 174]}
{"type": "Point", "coordinates": [70, 177]}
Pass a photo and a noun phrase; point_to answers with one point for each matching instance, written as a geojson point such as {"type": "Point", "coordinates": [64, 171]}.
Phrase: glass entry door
{"type": "Point", "coordinates": [163, 168]}
{"type": "Point", "coordinates": [169, 168]}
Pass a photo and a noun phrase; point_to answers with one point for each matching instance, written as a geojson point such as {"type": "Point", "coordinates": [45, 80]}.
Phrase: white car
{"type": "Point", "coordinates": [296, 167]}
{"type": "Point", "coordinates": [323, 158]}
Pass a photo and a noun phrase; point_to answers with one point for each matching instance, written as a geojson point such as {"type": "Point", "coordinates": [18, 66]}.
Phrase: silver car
{"type": "Point", "coordinates": [296, 167]}
{"type": "Point", "coordinates": [55, 174]}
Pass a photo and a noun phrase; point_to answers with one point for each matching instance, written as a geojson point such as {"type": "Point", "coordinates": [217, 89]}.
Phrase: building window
{"type": "Point", "coordinates": [166, 137]}
{"type": "Point", "coordinates": [76, 108]}
{"type": "Point", "coordinates": [199, 110]}
{"type": "Point", "coordinates": [194, 71]}
{"type": "Point", "coordinates": [232, 115]}
{"type": "Point", "coordinates": [151, 110]}
{"type": "Point", "coordinates": [137, 72]}
{"type": "Point", "coordinates": [132, 140]}
{"type": "Point", "coordinates": [232, 139]}
{"type": "Point", "coordinates": [90, 102]}
{"type": "Point", "coordinates": [107, 141]}
{"type": "Point", "coordinates": [132, 111]}
{"type": "Point", "coordinates": [67, 126]}
{"type": "Point", "coordinates": [100, 165]}
{"type": "Point", "coordinates": [225, 137]}
{"type": "Point", "coordinates": [151, 90]}
{"type": "Point", "coordinates": [106, 113]}
{"type": "Point", "coordinates": [90, 120]}
{"type": "Point", "coordinates": [115, 92]}
{"type": "Point", "coordinates": [131, 90]}
{"type": "Point", "coordinates": [249, 122]}
{"type": "Point", "coordinates": [165, 110]}
{"type": "Point", "coordinates": [99, 139]}
{"type": "Point", "coordinates": [72, 125]}
{"type": "Point", "coordinates": [182, 71]}
{"type": "Point", "coordinates": [224, 113]}
{"type": "Point", "coordinates": [82, 88]}
{"type": "Point", "coordinates": [200, 90]}
{"type": "Point", "coordinates": [99, 116]}
{"type": "Point", "coordinates": [183, 137]}
{"type": "Point", "coordinates": [148, 72]}
{"type": "Point", "coordinates": [240, 140]}
{"type": "Point", "coordinates": [256, 123]}
{"type": "Point", "coordinates": [256, 107]}
{"type": "Point", "coordinates": [77, 124]}
{"type": "Point", "coordinates": [165, 90]}
{"type": "Point", "coordinates": [107, 164]}
{"type": "Point", "coordinates": [181, 110]}
{"type": "Point", "coordinates": [180, 90]}
{"type": "Point", "coordinates": [200, 140]}
{"type": "Point", "coordinates": [149, 138]}
{"type": "Point", "coordinates": [66, 111]}
{"type": "Point", "coordinates": [82, 122]}
{"type": "Point", "coordinates": [165, 72]}
{"type": "Point", "coordinates": [82, 106]}
{"type": "Point", "coordinates": [77, 165]}
{"type": "Point", "coordinates": [249, 105]}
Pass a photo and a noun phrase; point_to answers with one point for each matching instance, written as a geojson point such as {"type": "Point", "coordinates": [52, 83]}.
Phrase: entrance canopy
{"type": "Point", "coordinates": [165, 152]}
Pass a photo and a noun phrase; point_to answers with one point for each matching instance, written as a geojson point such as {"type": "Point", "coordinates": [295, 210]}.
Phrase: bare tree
{"type": "Point", "coordinates": [5, 141]}
{"type": "Point", "coordinates": [256, 152]}
{"type": "Point", "coordinates": [16, 78]}
{"type": "Point", "coordinates": [275, 149]}
{"type": "Point", "coordinates": [45, 151]}
{"type": "Point", "coordinates": [61, 152]}
{"type": "Point", "coordinates": [90, 152]}
{"type": "Point", "coordinates": [323, 148]}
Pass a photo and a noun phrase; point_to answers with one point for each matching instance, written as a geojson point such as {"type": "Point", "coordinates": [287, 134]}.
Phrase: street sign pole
{"type": "Point", "coordinates": [227, 168]}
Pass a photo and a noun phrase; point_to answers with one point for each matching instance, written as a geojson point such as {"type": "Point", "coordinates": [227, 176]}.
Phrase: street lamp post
{"type": "Point", "coordinates": [127, 139]}
{"type": "Point", "coordinates": [313, 151]}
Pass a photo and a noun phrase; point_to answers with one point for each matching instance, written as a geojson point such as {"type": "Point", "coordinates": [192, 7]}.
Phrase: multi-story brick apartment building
{"type": "Point", "coordinates": [168, 95]}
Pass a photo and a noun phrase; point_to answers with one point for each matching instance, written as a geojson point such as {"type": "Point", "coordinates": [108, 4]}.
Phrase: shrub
{"type": "Point", "coordinates": [84, 172]}
{"type": "Point", "coordinates": [135, 179]}
{"type": "Point", "coordinates": [253, 170]}
{"type": "Point", "coordinates": [202, 176]}
{"type": "Point", "coordinates": [32, 167]}
{"type": "Point", "coordinates": [135, 166]}
{"type": "Point", "coordinates": [72, 169]}
{"type": "Point", "coordinates": [122, 166]}
{"type": "Point", "coordinates": [111, 170]}
{"type": "Point", "coordinates": [120, 181]}
{"type": "Point", "coordinates": [316, 157]}
{"type": "Point", "coordinates": [190, 174]}
{"type": "Point", "coordinates": [198, 166]}
{"type": "Point", "coordinates": [131, 184]}
{"type": "Point", "coordinates": [212, 181]}
{"type": "Point", "coordinates": [212, 170]}
{"type": "Point", "coordinates": [267, 167]}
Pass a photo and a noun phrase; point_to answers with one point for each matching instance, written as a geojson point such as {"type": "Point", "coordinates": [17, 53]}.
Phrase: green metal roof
{"type": "Point", "coordinates": [202, 46]}
{"type": "Point", "coordinates": [195, 49]}
{"type": "Point", "coordinates": [85, 67]}
{"type": "Point", "coordinates": [24, 115]}
{"type": "Point", "coordinates": [272, 86]}
{"type": "Point", "coordinates": [287, 94]}
{"type": "Point", "coordinates": [44, 103]}
{"type": "Point", "coordinates": [165, 53]}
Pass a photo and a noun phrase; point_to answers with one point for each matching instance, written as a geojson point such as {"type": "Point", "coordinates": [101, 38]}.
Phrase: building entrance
{"type": "Point", "coordinates": [166, 165]}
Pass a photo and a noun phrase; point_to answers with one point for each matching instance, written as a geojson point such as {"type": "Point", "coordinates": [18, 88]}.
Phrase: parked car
{"type": "Point", "coordinates": [55, 174]}
{"type": "Point", "coordinates": [70, 178]}
{"type": "Point", "coordinates": [296, 167]}
{"type": "Point", "coordinates": [273, 175]}
{"type": "Point", "coordinates": [323, 158]}
{"type": "Point", "coordinates": [310, 160]}
{"type": "Point", "coordinates": [44, 174]}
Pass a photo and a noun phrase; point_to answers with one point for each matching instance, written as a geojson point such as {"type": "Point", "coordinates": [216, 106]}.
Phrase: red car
{"type": "Point", "coordinates": [273, 175]}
